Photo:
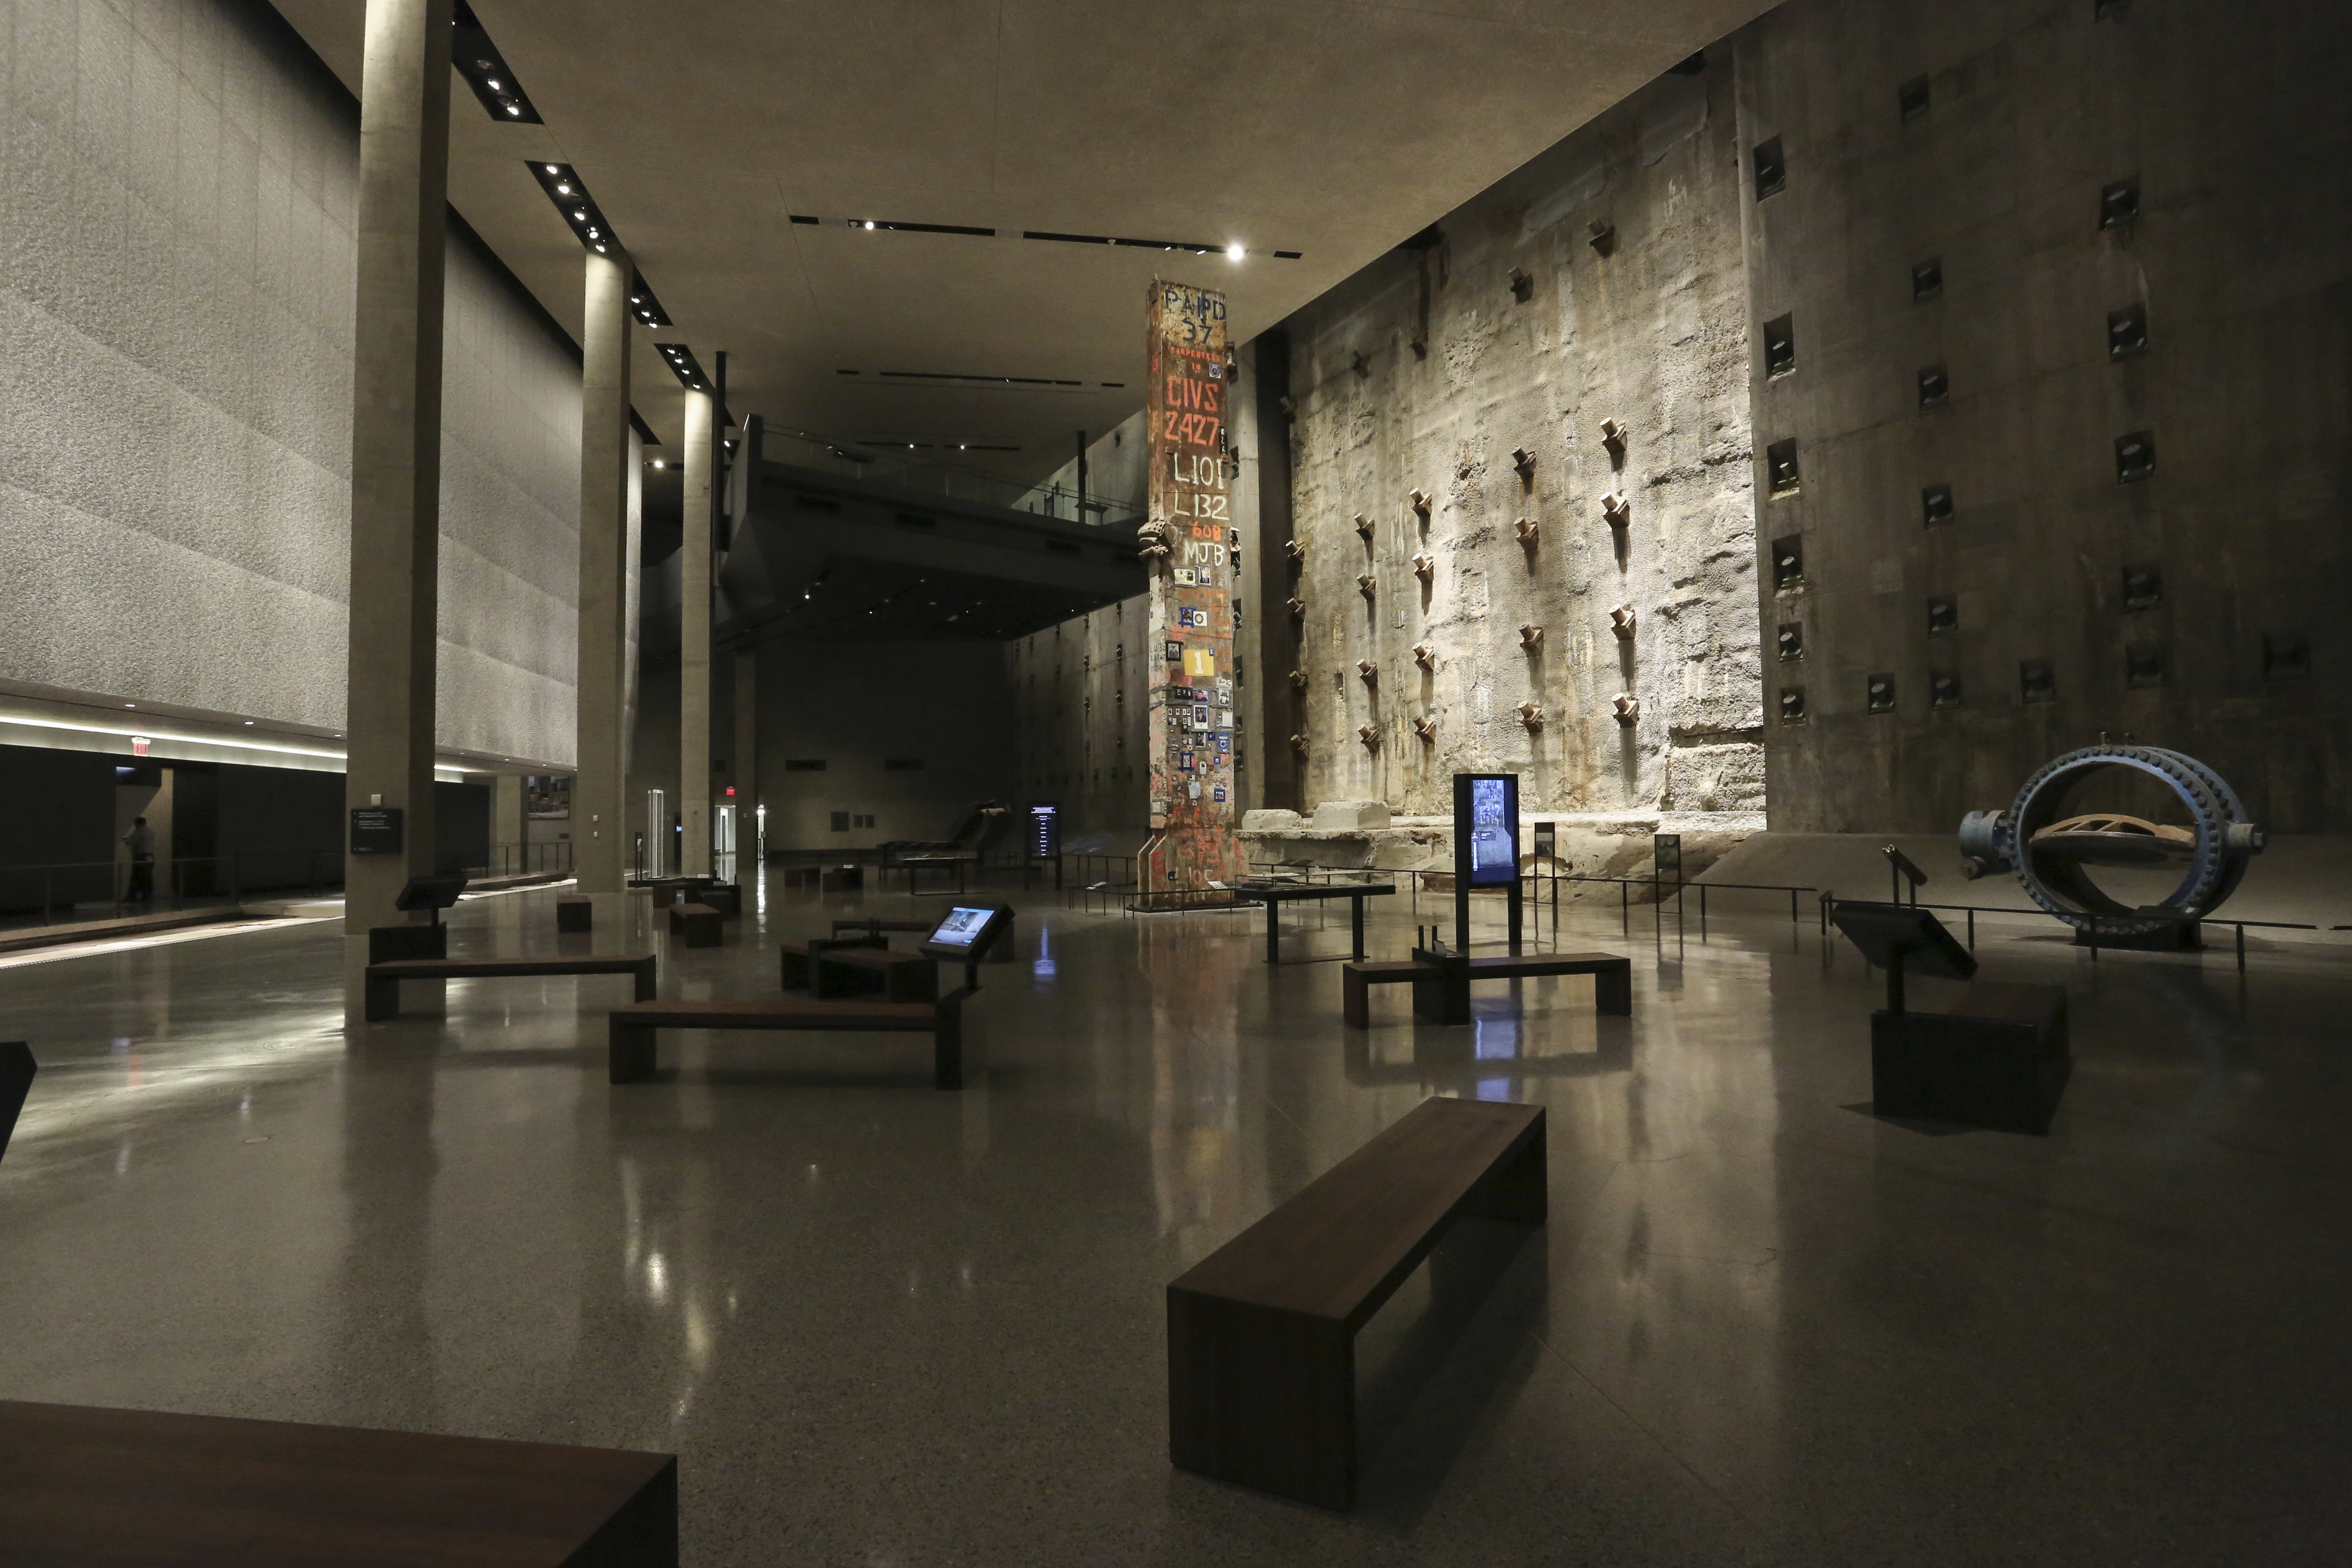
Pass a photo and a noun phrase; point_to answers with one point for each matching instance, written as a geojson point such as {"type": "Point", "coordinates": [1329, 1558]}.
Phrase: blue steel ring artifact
{"type": "Point", "coordinates": [2057, 852]}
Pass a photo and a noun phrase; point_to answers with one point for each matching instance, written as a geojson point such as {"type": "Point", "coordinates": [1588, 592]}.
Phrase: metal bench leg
{"type": "Point", "coordinates": [1262, 1397]}
{"type": "Point", "coordinates": [1356, 920]}
{"type": "Point", "coordinates": [647, 978]}
{"type": "Point", "coordinates": [1356, 1000]}
{"type": "Point", "coordinates": [1613, 989]}
{"type": "Point", "coordinates": [628, 1052]}
{"type": "Point", "coordinates": [383, 998]}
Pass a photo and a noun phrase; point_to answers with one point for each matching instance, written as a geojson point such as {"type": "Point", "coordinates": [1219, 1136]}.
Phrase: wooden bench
{"type": "Point", "coordinates": [792, 958]}
{"type": "Point", "coordinates": [272, 1494]}
{"type": "Point", "coordinates": [870, 971]}
{"type": "Point", "coordinates": [1441, 990]}
{"type": "Point", "coordinates": [702, 925]}
{"type": "Point", "coordinates": [382, 985]}
{"type": "Point", "coordinates": [1262, 1332]}
{"type": "Point", "coordinates": [630, 1048]}
{"type": "Point", "coordinates": [876, 925]}
{"type": "Point", "coordinates": [16, 1070]}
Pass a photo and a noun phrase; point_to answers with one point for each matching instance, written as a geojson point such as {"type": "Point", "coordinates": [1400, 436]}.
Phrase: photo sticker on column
{"type": "Point", "coordinates": [1184, 760]}
{"type": "Point", "coordinates": [1186, 577]}
{"type": "Point", "coordinates": [1220, 794]}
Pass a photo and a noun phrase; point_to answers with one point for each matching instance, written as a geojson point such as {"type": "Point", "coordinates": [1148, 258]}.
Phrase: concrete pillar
{"type": "Point", "coordinates": [509, 831]}
{"type": "Point", "coordinates": [396, 443]}
{"type": "Point", "coordinates": [607, 486]}
{"type": "Point", "coordinates": [694, 638]}
{"type": "Point", "coordinates": [745, 749]}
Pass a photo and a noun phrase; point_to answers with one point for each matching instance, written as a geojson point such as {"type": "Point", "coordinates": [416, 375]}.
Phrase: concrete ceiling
{"type": "Point", "coordinates": [1332, 128]}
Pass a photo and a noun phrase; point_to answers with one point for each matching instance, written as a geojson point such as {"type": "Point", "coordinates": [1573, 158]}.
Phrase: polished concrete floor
{"type": "Point", "coordinates": [884, 1325]}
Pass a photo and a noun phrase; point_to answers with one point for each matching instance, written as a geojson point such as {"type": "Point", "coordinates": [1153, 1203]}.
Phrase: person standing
{"type": "Point", "coordinates": [140, 842]}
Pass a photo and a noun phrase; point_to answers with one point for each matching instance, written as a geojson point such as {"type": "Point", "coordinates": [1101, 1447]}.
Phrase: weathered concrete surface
{"type": "Point", "coordinates": [2233, 120]}
{"type": "Point", "coordinates": [1590, 843]}
{"type": "Point", "coordinates": [1428, 372]}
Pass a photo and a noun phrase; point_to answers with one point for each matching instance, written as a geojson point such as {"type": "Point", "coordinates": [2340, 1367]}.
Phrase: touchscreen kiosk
{"type": "Point", "coordinates": [966, 932]}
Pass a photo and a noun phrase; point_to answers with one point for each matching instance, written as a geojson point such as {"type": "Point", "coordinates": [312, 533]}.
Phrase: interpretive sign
{"type": "Point", "coordinates": [1184, 539]}
{"type": "Point", "coordinates": [1044, 832]}
{"type": "Point", "coordinates": [375, 830]}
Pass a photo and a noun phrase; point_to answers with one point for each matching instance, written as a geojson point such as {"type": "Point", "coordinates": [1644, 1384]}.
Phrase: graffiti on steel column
{"type": "Point", "coordinates": [1185, 540]}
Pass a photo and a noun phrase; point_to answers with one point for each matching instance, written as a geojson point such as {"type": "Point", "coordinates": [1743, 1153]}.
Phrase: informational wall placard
{"type": "Point", "coordinates": [1185, 538]}
{"type": "Point", "coordinates": [375, 830]}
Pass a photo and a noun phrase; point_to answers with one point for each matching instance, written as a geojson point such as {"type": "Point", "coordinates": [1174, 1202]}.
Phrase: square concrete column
{"type": "Point", "coordinates": [745, 749]}
{"type": "Point", "coordinates": [702, 437]}
{"type": "Point", "coordinates": [396, 443]}
{"type": "Point", "coordinates": [607, 484]}
{"type": "Point", "coordinates": [510, 827]}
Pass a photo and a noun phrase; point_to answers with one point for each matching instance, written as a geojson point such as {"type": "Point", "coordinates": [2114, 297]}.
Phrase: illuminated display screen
{"type": "Point", "coordinates": [960, 926]}
{"type": "Point", "coordinates": [1494, 827]}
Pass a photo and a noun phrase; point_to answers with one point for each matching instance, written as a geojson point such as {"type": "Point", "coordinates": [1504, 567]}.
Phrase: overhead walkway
{"type": "Point", "coordinates": [825, 551]}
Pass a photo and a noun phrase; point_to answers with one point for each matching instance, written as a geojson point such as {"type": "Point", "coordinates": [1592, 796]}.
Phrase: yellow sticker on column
{"type": "Point", "coordinates": [1200, 665]}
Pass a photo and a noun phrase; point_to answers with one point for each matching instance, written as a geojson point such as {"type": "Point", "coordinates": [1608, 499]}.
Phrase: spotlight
{"type": "Point", "coordinates": [512, 110]}
{"type": "Point", "coordinates": [548, 167]}
{"type": "Point", "coordinates": [869, 225]}
{"type": "Point", "coordinates": [1235, 253]}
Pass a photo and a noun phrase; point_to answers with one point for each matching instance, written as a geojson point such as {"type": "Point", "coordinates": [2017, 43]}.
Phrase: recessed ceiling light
{"type": "Point", "coordinates": [600, 250]}
{"type": "Point", "coordinates": [248, 723]}
{"type": "Point", "coordinates": [494, 86]}
{"type": "Point", "coordinates": [869, 224]}
{"type": "Point", "coordinates": [1235, 252]}
{"type": "Point", "coordinates": [512, 110]}
{"type": "Point", "coordinates": [548, 167]}
{"type": "Point", "coordinates": [130, 705]}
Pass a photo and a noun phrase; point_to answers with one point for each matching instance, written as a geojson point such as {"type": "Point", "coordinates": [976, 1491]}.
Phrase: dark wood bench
{"type": "Point", "coordinates": [574, 915]}
{"type": "Point", "coordinates": [1262, 1332]}
{"type": "Point", "coordinates": [630, 1048]}
{"type": "Point", "coordinates": [271, 1494]}
{"type": "Point", "coordinates": [876, 926]}
{"type": "Point", "coordinates": [871, 970]}
{"type": "Point", "coordinates": [1441, 991]}
{"type": "Point", "coordinates": [383, 1000]}
{"type": "Point", "coordinates": [16, 1070]}
{"type": "Point", "coordinates": [702, 925]}
{"type": "Point", "coordinates": [792, 958]}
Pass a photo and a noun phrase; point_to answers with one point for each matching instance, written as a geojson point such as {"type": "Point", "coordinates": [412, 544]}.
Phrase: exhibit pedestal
{"type": "Point", "coordinates": [1997, 1059]}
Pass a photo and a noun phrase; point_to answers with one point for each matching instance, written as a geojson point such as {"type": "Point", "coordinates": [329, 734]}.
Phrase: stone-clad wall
{"type": "Point", "coordinates": [1427, 371]}
{"type": "Point", "coordinates": [175, 382]}
{"type": "Point", "coordinates": [1984, 138]}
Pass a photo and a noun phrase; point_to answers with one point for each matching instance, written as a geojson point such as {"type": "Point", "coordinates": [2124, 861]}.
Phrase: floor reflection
{"type": "Point", "coordinates": [886, 1324]}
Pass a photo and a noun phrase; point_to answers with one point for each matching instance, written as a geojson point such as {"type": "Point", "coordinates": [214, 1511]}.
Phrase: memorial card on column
{"type": "Point", "coordinates": [1183, 540]}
